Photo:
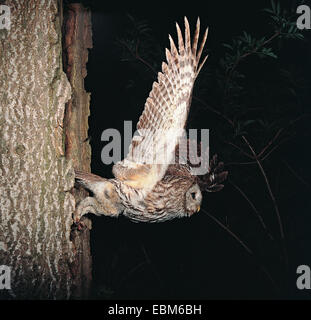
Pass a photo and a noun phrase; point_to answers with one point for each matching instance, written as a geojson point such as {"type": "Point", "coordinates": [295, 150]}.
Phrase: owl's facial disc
{"type": "Point", "coordinates": [193, 199]}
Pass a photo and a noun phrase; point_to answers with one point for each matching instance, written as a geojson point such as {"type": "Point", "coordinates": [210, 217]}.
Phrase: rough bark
{"type": "Point", "coordinates": [77, 40]}
{"type": "Point", "coordinates": [36, 178]}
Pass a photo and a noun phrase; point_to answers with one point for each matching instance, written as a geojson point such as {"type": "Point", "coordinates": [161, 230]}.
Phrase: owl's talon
{"type": "Point", "coordinates": [79, 224]}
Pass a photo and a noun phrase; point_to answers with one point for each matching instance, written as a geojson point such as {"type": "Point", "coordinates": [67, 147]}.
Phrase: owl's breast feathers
{"type": "Point", "coordinates": [165, 201]}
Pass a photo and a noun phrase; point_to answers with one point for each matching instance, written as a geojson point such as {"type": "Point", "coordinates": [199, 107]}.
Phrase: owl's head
{"type": "Point", "coordinates": [193, 199]}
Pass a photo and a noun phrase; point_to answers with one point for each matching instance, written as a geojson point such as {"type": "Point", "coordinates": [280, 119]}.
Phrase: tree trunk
{"type": "Point", "coordinates": [36, 171]}
{"type": "Point", "coordinates": [77, 40]}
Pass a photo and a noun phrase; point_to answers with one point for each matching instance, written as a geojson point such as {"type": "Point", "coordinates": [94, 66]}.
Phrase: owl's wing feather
{"type": "Point", "coordinates": [165, 114]}
{"type": "Point", "coordinates": [189, 155]}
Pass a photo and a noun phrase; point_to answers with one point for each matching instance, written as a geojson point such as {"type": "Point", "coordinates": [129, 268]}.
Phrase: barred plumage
{"type": "Point", "coordinates": [147, 186]}
{"type": "Point", "coordinates": [165, 114]}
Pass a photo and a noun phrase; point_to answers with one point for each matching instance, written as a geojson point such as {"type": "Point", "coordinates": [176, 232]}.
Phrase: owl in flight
{"type": "Point", "coordinates": [149, 191]}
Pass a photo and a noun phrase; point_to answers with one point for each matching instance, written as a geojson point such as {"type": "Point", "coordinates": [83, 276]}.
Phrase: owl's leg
{"type": "Point", "coordinates": [91, 205]}
{"type": "Point", "coordinates": [87, 205]}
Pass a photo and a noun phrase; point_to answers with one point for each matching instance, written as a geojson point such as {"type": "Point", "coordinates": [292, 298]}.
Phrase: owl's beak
{"type": "Point", "coordinates": [189, 214]}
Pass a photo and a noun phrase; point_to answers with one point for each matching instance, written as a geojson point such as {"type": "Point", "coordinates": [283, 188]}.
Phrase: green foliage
{"type": "Point", "coordinates": [283, 21]}
{"type": "Point", "coordinates": [284, 27]}
{"type": "Point", "coordinates": [138, 42]}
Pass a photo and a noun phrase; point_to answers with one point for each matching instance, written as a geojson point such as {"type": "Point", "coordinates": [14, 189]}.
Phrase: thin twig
{"type": "Point", "coordinates": [240, 149]}
{"type": "Point", "coordinates": [209, 107]}
{"type": "Point", "coordinates": [137, 56]}
{"type": "Point", "coordinates": [296, 174]}
{"type": "Point", "coordinates": [272, 198]}
{"type": "Point", "coordinates": [248, 250]}
{"type": "Point", "coordinates": [142, 60]}
{"type": "Point", "coordinates": [232, 234]}
{"type": "Point", "coordinates": [265, 177]}
{"type": "Point", "coordinates": [273, 149]}
{"type": "Point", "coordinates": [268, 186]}
{"type": "Point", "coordinates": [151, 265]}
{"type": "Point", "coordinates": [258, 215]}
{"type": "Point", "coordinates": [278, 134]}
{"type": "Point", "coordinates": [240, 163]}
{"type": "Point", "coordinates": [130, 272]}
{"type": "Point", "coordinates": [270, 142]}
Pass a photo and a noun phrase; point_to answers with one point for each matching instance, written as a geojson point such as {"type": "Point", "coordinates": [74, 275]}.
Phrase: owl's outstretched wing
{"type": "Point", "coordinates": [165, 114]}
{"type": "Point", "coordinates": [189, 155]}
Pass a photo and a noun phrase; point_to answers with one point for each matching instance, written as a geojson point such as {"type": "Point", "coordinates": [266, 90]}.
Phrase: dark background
{"type": "Point", "coordinates": [196, 258]}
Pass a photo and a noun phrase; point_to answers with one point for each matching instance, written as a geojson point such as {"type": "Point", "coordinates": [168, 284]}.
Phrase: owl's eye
{"type": "Point", "coordinates": [193, 195]}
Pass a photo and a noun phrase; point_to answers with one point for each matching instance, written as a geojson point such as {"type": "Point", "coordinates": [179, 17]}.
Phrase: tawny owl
{"type": "Point", "coordinates": [152, 191]}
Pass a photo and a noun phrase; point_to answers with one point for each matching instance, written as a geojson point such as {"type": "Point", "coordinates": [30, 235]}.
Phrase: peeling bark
{"type": "Point", "coordinates": [36, 173]}
{"type": "Point", "coordinates": [77, 40]}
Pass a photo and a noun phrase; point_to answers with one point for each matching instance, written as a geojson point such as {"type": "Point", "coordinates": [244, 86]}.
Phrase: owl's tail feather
{"type": "Point", "coordinates": [87, 180]}
{"type": "Point", "coordinates": [212, 182]}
